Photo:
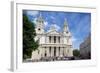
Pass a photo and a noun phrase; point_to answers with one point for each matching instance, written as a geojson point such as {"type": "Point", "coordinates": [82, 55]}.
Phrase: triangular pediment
{"type": "Point", "coordinates": [54, 32]}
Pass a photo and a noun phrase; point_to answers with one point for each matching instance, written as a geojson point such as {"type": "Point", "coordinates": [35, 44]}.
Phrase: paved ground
{"type": "Point", "coordinates": [53, 59]}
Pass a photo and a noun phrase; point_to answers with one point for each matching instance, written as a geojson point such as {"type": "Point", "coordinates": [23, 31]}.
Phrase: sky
{"type": "Point", "coordinates": [79, 23]}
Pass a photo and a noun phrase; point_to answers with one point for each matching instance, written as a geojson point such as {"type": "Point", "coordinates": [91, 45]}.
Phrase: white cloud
{"type": "Point", "coordinates": [74, 39]}
{"type": "Point", "coordinates": [32, 13]}
{"type": "Point", "coordinates": [52, 17]}
{"type": "Point", "coordinates": [34, 21]}
{"type": "Point", "coordinates": [46, 23]}
{"type": "Point", "coordinates": [56, 26]}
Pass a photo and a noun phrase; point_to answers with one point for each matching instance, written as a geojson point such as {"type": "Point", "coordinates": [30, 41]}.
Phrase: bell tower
{"type": "Point", "coordinates": [40, 25]}
{"type": "Point", "coordinates": [65, 28]}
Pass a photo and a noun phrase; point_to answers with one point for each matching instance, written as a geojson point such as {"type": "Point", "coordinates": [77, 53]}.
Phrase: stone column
{"type": "Point", "coordinates": [71, 51]}
{"type": "Point", "coordinates": [52, 39]}
{"type": "Point", "coordinates": [47, 51]}
{"type": "Point", "coordinates": [61, 52]}
{"type": "Point", "coordinates": [43, 52]}
{"type": "Point", "coordinates": [64, 51]}
{"type": "Point", "coordinates": [56, 39]}
{"type": "Point", "coordinates": [52, 51]}
{"type": "Point", "coordinates": [61, 39]}
{"type": "Point", "coordinates": [57, 51]}
{"type": "Point", "coordinates": [47, 39]}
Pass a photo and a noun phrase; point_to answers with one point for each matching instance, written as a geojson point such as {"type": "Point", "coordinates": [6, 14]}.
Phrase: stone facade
{"type": "Point", "coordinates": [52, 43]}
{"type": "Point", "coordinates": [85, 48]}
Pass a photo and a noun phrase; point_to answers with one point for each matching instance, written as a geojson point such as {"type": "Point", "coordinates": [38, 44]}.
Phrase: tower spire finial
{"type": "Point", "coordinates": [65, 29]}
{"type": "Point", "coordinates": [40, 17]}
{"type": "Point", "coordinates": [65, 22]}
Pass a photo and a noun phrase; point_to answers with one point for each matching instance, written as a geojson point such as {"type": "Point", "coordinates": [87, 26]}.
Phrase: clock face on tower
{"type": "Point", "coordinates": [39, 29]}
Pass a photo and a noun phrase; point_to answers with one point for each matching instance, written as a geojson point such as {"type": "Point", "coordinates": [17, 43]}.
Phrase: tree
{"type": "Point", "coordinates": [76, 53]}
{"type": "Point", "coordinates": [29, 44]}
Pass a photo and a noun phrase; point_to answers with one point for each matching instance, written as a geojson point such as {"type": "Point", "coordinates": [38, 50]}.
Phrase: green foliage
{"type": "Point", "coordinates": [29, 44]}
{"type": "Point", "coordinates": [76, 52]}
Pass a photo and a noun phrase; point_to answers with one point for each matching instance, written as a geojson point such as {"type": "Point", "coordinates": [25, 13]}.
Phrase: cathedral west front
{"type": "Point", "coordinates": [52, 44]}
